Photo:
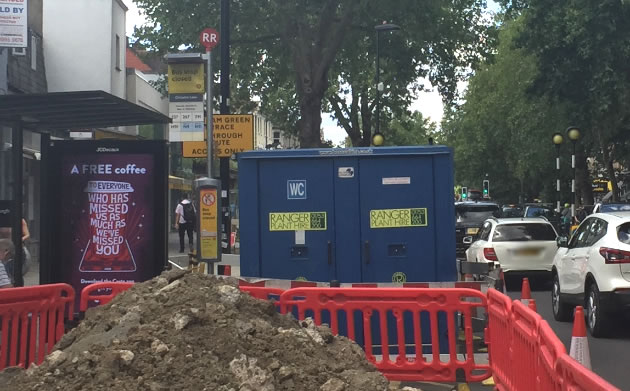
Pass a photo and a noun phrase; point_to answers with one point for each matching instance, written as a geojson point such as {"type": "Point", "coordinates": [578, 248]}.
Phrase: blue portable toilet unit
{"type": "Point", "coordinates": [354, 215]}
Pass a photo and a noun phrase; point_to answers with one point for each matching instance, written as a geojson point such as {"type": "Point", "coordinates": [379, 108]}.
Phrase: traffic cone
{"type": "Point", "coordinates": [526, 292]}
{"type": "Point", "coordinates": [579, 343]}
{"type": "Point", "coordinates": [532, 305]}
{"type": "Point", "coordinates": [503, 283]}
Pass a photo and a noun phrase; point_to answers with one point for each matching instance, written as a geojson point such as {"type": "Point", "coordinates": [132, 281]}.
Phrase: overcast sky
{"type": "Point", "coordinates": [428, 103]}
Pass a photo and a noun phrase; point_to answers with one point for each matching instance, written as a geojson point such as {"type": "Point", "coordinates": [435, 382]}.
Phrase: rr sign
{"type": "Point", "coordinates": [209, 38]}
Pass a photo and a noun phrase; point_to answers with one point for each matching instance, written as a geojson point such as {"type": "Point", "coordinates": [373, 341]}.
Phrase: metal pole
{"type": "Point", "coordinates": [558, 195]}
{"type": "Point", "coordinates": [16, 231]}
{"type": "Point", "coordinates": [378, 79]}
{"type": "Point", "coordinates": [225, 56]}
{"type": "Point", "coordinates": [210, 125]}
{"type": "Point", "coordinates": [573, 198]}
{"type": "Point", "coordinates": [224, 163]}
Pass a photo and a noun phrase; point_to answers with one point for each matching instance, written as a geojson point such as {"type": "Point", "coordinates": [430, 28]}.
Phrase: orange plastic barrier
{"type": "Point", "coordinates": [263, 293]}
{"type": "Point", "coordinates": [101, 293]}
{"type": "Point", "coordinates": [384, 327]}
{"type": "Point", "coordinates": [498, 335]}
{"type": "Point", "coordinates": [526, 355]}
{"type": "Point", "coordinates": [32, 321]}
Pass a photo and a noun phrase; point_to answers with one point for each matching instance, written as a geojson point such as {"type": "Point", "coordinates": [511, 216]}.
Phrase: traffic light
{"type": "Point", "coordinates": [464, 193]}
{"type": "Point", "coordinates": [486, 188]}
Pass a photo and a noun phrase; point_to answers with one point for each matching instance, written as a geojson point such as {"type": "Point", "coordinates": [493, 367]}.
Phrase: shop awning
{"type": "Point", "coordinates": [74, 110]}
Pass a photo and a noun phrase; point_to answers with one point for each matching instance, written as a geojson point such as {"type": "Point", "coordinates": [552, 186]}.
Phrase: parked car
{"type": "Point", "coordinates": [546, 211]}
{"type": "Point", "coordinates": [593, 269]}
{"type": "Point", "coordinates": [512, 211]}
{"type": "Point", "coordinates": [612, 207]}
{"type": "Point", "coordinates": [469, 219]}
{"type": "Point", "coordinates": [516, 244]}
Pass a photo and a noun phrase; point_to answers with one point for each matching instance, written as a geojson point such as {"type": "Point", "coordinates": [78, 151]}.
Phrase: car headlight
{"type": "Point", "coordinates": [472, 231]}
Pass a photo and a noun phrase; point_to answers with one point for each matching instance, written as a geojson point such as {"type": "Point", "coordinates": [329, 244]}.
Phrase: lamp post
{"type": "Point", "coordinates": [378, 138]}
{"type": "Point", "coordinates": [557, 141]}
{"type": "Point", "coordinates": [574, 135]}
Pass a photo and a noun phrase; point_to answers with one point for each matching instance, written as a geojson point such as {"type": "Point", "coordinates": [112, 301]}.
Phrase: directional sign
{"type": "Point", "coordinates": [209, 38]}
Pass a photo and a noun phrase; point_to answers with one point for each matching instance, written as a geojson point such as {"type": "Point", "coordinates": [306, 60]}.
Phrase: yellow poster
{"type": "Point", "coordinates": [197, 149]}
{"type": "Point", "coordinates": [297, 221]}
{"type": "Point", "coordinates": [233, 133]}
{"type": "Point", "coordinates": [208, 225]}
{"type": "Point", "coordinates": [186, 78]}
{"type": "Point", "coordinates": [398, 218]}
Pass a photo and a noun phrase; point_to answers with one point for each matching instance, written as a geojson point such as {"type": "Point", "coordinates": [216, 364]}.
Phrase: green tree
{"type": "Point", "coordinates": [501, 130]}
{"type": "Point", "coordinates": [411, 129]}
{"type": "Point", "coordinates": [583, 51]}
{"type": "Point", "coordinates": [290, 54]}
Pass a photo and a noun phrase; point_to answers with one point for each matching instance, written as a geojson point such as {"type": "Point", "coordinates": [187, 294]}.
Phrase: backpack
{"type": "Point", "coordinates": [189, 212]}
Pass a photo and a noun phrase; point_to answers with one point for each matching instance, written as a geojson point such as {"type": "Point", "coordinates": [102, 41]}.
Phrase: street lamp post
{"type": "Point", "coordinates": [557, 141]}
{"type": "Point", "coordinates": [378, 138]}
{"type": "Point", "coordinates": [574, 135]}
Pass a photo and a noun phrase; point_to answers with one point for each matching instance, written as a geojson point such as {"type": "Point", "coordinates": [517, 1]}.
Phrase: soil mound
{"type": "Point", "coordinates": [183, 331]}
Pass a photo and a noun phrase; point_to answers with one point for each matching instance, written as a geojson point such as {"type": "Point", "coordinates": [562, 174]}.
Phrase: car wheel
{"type": "Point", "coordinates": [561, 310]}
{"type": "Point", "coordinates": [596, 318]}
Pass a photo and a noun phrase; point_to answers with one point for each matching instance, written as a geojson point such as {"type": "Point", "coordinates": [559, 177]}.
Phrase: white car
{"type": "Point", "coordinates": [593, 269]}
{"type": "Point", "coordinates": [516, 244]}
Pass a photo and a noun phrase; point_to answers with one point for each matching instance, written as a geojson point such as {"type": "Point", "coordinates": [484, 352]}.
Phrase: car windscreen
{"type": "Point", "coordinates": [523, 232]}
{"type": "Point", "coordinates": [474, 213]}
{"type": "Point", "coordinates": [539, 212]}
{"type": "Point", "coordinates": [512, 212]}
{"type": "Point", "coordinates": [613, 207]}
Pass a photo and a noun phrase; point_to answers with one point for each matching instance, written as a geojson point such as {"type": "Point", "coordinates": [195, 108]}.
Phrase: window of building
{"type": "Point", "coordinates": [33, 52]}
{"type": "Point", "coordinates": [117, 52]}
{"type": "Point", "coordinates": [276, 136]}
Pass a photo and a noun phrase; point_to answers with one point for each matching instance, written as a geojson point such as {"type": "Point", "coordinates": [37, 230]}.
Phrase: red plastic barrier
{"type": "Point", "coordinates": [498, 337]}
{"type": "Point", "coordinates": [398, 301]}
{"type": "Point", "coordinates": [32, 321]}
{"type": "Point", "coordinates": [550, 350]}
{"type": "Point", "coordinates": [263, 293]}
{"type": "Point", "coordinates": [525, 323]}
{"type": "Point", "coordinates": [526, 355]}
{"type": "Point", "coordinates": [94, 293]}
{"type": "Point", "coordinates": [574, 377]}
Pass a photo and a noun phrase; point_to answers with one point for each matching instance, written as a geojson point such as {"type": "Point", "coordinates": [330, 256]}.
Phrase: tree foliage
{"type": "Point", "coordinates": [300, 56]}
{"type": "Point", "coordinates": [503, 132]}
{"type": "Point", "coordinates": [583, 48]}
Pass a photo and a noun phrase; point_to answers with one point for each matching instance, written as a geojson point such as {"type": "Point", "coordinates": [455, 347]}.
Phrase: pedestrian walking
{"type": "Point", "coordinates": [566, 218]}
{"type": "Point", "coordinates": [185, 216]}
{"type": "Point", "coordinates": [6, 261]}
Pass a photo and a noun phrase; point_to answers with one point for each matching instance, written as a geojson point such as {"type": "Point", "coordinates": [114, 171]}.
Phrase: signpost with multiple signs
{"type": "Point", "coordinates": [233, 133]}
{"type": "Point", "coordinates": [186, 87]}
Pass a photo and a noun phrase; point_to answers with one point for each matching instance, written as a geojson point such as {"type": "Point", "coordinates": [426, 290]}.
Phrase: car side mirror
{"type": "Point", "coordinates": [468, 239]}
{"type": "Point", "coordinates": [562, 241]}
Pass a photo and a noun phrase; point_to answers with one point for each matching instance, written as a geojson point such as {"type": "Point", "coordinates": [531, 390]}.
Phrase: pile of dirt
{"type": "Point", "coordinates": [183, 331]}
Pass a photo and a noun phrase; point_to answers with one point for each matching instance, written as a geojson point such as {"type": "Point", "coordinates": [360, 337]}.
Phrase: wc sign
{"type": "Point", "coordinates": [296, 189]}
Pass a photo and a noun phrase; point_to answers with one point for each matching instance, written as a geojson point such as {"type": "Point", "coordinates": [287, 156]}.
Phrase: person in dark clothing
{"type": "Point", "coordinates": [185, 214]}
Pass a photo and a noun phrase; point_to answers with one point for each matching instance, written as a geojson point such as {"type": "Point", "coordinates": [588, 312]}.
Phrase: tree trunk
{"type": "Point", "coordinates": [584, 190]}
{"type": "Point", "coordinates": [613, 179]}
{"type": "Point", "coordinates": [314, 46]}
{"type": "Point", "coordinates": [310, 121]}
{"type": "Point", "coordinates": [608, 163]}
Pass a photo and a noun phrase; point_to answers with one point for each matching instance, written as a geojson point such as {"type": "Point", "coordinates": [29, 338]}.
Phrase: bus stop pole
{"type": "Point", "coordinates": [210, 126]}
{"type": "Point", "coordinates": [16, 231]}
